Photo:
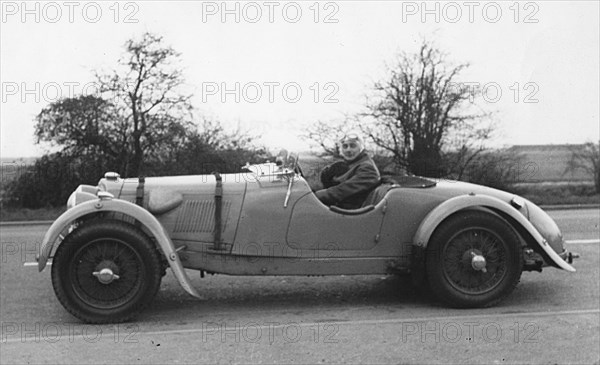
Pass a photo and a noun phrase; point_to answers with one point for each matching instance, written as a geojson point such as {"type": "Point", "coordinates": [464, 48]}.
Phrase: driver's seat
{"type": "Point", "coordinates": [374, 197]}
{"type": "Point", "coordinates": [377, 194]}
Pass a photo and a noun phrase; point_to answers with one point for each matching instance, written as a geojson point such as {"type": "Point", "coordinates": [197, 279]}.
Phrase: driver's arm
{"type": "Point", "coordinates": [365, 177]}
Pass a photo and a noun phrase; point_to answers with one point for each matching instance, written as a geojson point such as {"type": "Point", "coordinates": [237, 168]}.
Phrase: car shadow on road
{"type": "Point", "coordinates": [283, 293]}
{"type": "Point", "coordinates": [232, 296]}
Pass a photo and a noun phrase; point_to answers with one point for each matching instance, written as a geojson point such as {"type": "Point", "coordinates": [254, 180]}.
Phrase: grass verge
{"type": "Point", "coordinates": [558, 194]}
{"type": "Point", "coordinates": [23, 214]}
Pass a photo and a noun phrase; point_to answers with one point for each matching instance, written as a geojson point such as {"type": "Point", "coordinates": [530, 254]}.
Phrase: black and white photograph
{"type": "Point", "coordinates": [300, 182]}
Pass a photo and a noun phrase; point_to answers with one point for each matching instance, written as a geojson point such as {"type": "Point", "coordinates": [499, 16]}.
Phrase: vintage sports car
{"type": "Point", "coordinates": [467, 243]}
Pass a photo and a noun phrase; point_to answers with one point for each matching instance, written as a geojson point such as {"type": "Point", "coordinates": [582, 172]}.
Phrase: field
{"type": "Point", "coordinates": [557, 193]}
{"type": "Point", "coordinates": [548, 163]}
{"type": "Point", "coordinates": [21, 214]}
{"type": "Point", "coordinates": [547, 181]}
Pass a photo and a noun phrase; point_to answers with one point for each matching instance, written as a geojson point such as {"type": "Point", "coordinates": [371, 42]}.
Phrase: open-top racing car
{"type": "Point", "coordinates": [467, 243]}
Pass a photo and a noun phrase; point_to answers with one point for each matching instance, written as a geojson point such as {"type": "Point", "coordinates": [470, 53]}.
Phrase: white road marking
{"type": "Point", "coordinates": [27, 264]}
{"type": "Point", "coordinates": [582, 242]}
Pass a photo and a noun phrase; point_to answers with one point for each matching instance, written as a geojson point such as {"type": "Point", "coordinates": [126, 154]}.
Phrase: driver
{"type": "Point", "coordinates": [351, 188]}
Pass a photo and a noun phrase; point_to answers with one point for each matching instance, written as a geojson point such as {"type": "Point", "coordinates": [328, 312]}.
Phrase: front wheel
{"type": "Point", "coordinates": [474, 259]}
{"type": "Point", "coordinates": [106, 272]}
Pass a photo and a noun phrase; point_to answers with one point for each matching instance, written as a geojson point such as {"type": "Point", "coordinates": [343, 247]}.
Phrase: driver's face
{"type": "Point", "coordinates": [350, 149]}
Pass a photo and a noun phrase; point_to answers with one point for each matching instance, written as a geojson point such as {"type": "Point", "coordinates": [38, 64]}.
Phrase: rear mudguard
{"type": "Point", "coordinates": [124, 207]}
{"type": "Point", "coordinates": [453, 205]}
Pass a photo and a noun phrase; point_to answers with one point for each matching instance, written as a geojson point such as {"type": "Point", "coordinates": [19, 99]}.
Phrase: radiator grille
{"type": "Point", "coordinates": [199, 216]}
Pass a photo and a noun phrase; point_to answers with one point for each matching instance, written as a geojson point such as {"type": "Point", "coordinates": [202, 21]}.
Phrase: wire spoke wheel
{"type": "Point", "coordinates": [474, 259]}
{"type": "Point", "coordinates": [106, 271]}
{"type": "Point", "coordinates": [117, 286]}
{"type": "Point", "coordinates": [460, 252]}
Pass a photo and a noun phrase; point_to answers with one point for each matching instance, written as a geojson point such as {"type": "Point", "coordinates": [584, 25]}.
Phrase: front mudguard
{"type": "Point", "coordinates": [472, 201]}
{"type": "Point", "coordinates": [118, 206]}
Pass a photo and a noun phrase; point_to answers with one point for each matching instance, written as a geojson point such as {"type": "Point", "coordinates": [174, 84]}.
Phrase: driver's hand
{"type": "Point", "coordinates": [323, 196]}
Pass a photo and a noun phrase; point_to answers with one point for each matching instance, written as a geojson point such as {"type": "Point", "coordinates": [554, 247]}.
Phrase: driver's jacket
{"type": "Point", "coordinates": [353, 186]}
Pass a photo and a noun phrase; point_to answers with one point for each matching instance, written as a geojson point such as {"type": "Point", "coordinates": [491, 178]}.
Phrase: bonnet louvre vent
{"type": "Point", "coordinates": [199, 216]}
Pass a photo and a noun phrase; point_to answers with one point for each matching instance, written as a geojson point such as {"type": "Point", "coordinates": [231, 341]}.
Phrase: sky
{"type": "Point", "coordinates": [274, 68]}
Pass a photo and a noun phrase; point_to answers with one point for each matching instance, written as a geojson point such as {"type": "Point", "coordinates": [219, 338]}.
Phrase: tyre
{"type": "Point", "coordinates": [474, 259]}
{"type": "Point", "coordinates": [106, 271]}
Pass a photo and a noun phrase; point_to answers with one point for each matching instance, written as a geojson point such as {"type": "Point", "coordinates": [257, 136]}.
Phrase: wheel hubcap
{"type": "Point", "coordinates": [105, 276]}
{"type": "Point", "coordinates": [478, 262]}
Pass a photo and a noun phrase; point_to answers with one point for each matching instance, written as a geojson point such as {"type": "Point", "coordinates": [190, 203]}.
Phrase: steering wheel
{"type": "Point", "coordinates": [298, 169]}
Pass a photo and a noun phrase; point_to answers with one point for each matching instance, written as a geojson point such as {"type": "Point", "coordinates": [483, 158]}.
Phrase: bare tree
{"type": "Point", "coordinates": [145, 90]}
{"type": "Point", "coordinates": [587, 159]}
{"type": "Point", "coordinates": [327, 135]}
{"type": "Point", "coordinates": [464, 147]}
{"type": "Point", "coordinates": [418, 107]}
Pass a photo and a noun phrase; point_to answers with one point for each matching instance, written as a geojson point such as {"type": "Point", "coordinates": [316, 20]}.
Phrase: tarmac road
{"type": "Point", "coordinates": [552, 317]}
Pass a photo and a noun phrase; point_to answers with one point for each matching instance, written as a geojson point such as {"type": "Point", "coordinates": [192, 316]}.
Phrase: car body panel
{"type": "Point", "coordinates": [313, 226]}
{"type": "Point", "coordinates": [192, 222]}
{"type": "Point", "coordinates": [264, 218]}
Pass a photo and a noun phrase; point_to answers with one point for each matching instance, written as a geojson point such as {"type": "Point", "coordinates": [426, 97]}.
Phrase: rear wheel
{"type": "Point", "coordinates": [106, 272]}
{"type": "Point", "coordinates": [474, 259]}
